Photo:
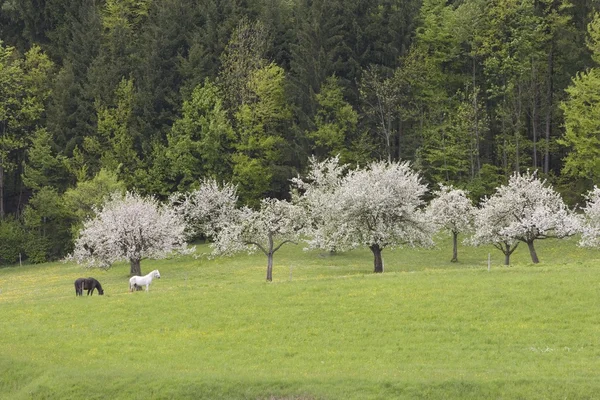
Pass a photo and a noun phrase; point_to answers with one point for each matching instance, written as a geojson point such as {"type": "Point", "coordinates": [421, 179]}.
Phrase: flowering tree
{"type": "Point", "coordinates": [129, 227]}
{"type": "Point", "coordinates": [489, 228]}
{"type": "Point", "coordinates": [274, 224]}
{"type": "Point", "coordinates": [376, 207]}
{"type": "Point", "coordinates": [453, 211]}
{"type": "Point", "coordinates": [204, 208]}
{"type": "Point", "coordinates": [316, 194]}
{"type": "Point", "coordinates": [525, 210]}
{"type": "Point", "coordinates": [590, 229]}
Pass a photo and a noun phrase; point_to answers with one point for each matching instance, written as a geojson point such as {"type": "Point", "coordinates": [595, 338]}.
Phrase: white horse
{"type": "Point", "coordinates": [136, 281]}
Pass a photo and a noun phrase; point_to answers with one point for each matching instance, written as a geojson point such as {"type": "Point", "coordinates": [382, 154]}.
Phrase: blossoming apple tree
{"type": "Point", "coordinates": [204, 209]}
{"type": "Point", "coordinates": [274, 224]}
{"type": "Point", "coordinates": [130, 228]}
{"type": "Point", "coordinates": [524, 210]}
{"type": "Point", "coordinates": [317, 195]}
{"type": "Point", "coordinates": [452, 211]}
{"type": "Point", "coordinates": [378, 206]}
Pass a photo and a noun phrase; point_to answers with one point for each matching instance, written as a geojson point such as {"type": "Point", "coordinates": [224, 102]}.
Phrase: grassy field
{"type": "Point", "coordinates": [326, 328]}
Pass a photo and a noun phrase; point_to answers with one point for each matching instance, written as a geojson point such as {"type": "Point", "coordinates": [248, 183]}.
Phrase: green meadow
{"type": "Point", "coordinates": [325, 328]}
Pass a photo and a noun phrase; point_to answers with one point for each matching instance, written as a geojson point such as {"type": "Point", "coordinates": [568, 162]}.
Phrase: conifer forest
{"type": "Point", "coordinates": [154, 96]}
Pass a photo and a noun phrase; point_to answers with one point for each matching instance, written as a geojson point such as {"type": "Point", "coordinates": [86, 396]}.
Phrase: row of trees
{"type": "Point", "coordinates": [335, 208]}
{"type": "Point", "coordinates": [163, 94]}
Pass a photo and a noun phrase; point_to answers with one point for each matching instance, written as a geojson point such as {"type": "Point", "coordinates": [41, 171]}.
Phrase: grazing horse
{"type": "Point", "coordinates": [88, 284]}
{"type": "Point", "coordinates": [138, 281]}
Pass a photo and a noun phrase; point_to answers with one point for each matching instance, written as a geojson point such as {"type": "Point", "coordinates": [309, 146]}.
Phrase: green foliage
{"type": "Point", "coordinates": [582, 122]}
{"type": "Point", "coordinates": [37, 248]}
{"type": "Point", "coordinates": [243, 56]}
{"type": "Point", "coordinates": [262, 127]}
{"type": "Point", "coordinates": [593, 40]}
{"type": "Point", "coordinates": [82, 200]}
{"type": "Point", "coordinates": [451, 151]}
{"type": "Point", "coordinates": [48, 224]}
{"type": "Point", "coordinates": [156, 177]}
{"type": "Point", "coordinates": [582, 116]}
{"type": "Point", "coordinates": [12, 240]}
{"type": "Point", "coordinates": [24, 86]}
{"type": "Point", "coordinates": [488, 179]}
{"type": "Point", "coordinates": [127, 14]}
{"type": "Point", "coordinates": [116, 137]}
{"type": "Point", "coordinates": [163, 42]}
{"type": "Point", "coordinates": [336, 123]}
{"type": "Point", "coordinates": [200, 141]}
{"type": "Point", "coordinates": [318, 46]}
{"type": "Point", "coordinates": [44, 167]}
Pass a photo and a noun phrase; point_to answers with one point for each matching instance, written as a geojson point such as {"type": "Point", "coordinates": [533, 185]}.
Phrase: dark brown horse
{"type": "Point", "coordinates": [88, 284]}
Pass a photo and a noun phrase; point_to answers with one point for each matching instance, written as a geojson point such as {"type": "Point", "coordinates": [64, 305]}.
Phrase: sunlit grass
{"type": "Point", "coordinates": [327, 327]}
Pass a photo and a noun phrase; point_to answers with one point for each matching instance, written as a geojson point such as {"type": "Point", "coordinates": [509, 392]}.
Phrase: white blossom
{"type": "Point", "coordinates": [590, 229]}
{"type": "Point", "coordinates": [525, 210]}
{"type": "Point", "coordinates": [129, 228]}
{"type": "Point", "coordinates": [276, 223]}
{"type": "Point", "coordinates": [317, 195]}
{"type": "Point", "coordinates": [376, 207]}
{"type": "Point", "coordinates": [452, 211]}
{"type": "Point", "coordinates": [204, 208]}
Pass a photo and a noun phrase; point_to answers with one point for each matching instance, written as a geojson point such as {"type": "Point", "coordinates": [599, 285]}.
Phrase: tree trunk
{"type": "Point", "coordinates": [505, 247]}
{"type": "Point", "coordinates": [1, 190]}
{"type": "Point", "coordinates": [518, 130]}
{"type": "Point", "coordinates": [534, 257]}
{"type": "Point", "coordinates": [507, 252]}
{"type": "Point", "coordinates": [270, 267]}
{"type": "Point", "coordinates": [549, 101]}
{"type": "Point", "coordinates": [378, 260]}
{"type": "Point", "coordinates": [399, 136]}
{"type": "Point", "coordinates": [534, 115]}
{"type": "Point", "coordinates": [136, 268]}
{"type": "Point", "coordinates": [454, 247]}
{"type": "Point", "coordinates": [475, 168]}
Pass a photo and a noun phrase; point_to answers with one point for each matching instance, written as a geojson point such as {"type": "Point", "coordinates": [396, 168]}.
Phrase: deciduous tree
{"type": "Point", "coordinates": [453, 211]}
{"type": "Point", "coordinates": [200, 141]}
{"type": "Point", "coordinates": [316, 193]}
{"type": "Point", "coordinates": [274, 224]}
{"type": "Point", "coordinates": [582, 116]}
{"type": "Point", "coordinates": [336, 123]}
{"type": "Point", "coordinates": [129, 228]}
{"type": "Point", "coordinates": [259, 161]}
{"type": "Point", "coordinates": [524, 210]}
{"type": "Point", "coordinates": [378, 206]}
{"type": "Point", "coordinates": [24, 88]}
{"type": "Point", "coordinates": [206, 208]}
